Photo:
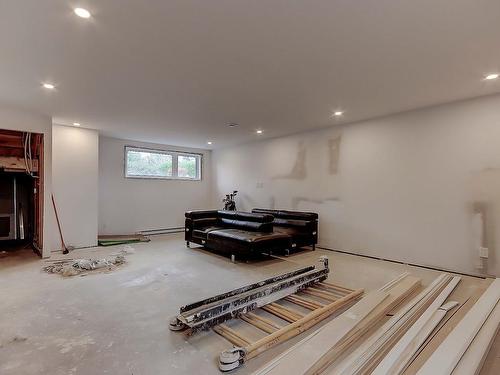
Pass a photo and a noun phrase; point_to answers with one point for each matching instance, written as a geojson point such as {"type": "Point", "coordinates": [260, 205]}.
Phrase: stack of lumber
{"type": "Point", "coordinates": [394, 346]}
{"type": "Point", "coordinates": [465, 348]}
{"type": "Point", "coordinates": [313, 354]}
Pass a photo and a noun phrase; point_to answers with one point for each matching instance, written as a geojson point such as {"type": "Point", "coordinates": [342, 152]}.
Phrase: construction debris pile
{"type": "Point", "coordinates": [73, 267]}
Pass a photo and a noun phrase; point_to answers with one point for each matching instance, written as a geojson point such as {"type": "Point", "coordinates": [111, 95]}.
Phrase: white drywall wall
{"type": "Point", "coordinates": [127, 205]}
{"type": "Point", "coordinates": [404, 187]}
{"type": "Point", "coordinates": [75, 172]}
{"type": "Point", "coordinates": [18, 119]}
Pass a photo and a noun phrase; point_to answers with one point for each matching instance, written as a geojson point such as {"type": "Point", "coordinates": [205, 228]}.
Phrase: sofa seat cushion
{"type": "Point", "coordinates": [203, 232]}
{"type": "Point", "coordinates": [246, 236]}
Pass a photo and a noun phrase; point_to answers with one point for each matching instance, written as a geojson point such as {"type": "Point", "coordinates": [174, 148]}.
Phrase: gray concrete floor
{"type": "Point", "coordinates": [117, 322]}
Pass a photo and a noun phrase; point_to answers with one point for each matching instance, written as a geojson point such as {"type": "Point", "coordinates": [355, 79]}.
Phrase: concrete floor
{"type": "Point", "coordinates": [117, 322]}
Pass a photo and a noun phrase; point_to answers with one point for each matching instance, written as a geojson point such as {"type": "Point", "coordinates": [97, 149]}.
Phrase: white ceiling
{"type": "Point", "coordinates": [177, 71]}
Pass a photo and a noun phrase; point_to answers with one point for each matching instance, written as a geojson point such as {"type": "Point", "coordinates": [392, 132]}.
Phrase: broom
{"type": "Point", "coordinates": [64, 248]}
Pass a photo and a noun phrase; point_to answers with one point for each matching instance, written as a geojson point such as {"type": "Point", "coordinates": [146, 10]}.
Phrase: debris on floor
{"type": "Point", "coordinates": [110, 240]}
{"type": "Point", "coordinates": [73, 267]}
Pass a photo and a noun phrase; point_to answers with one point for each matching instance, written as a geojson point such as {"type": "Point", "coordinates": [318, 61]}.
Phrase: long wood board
{"type": "Point", "coordinates": [448, 354]}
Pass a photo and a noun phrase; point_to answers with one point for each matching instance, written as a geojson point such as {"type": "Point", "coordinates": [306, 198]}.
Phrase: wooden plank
{"type": "Point", "coordinates": [338, 287]}
{"type": "Point", "coordinates": [400, 355]}
{"type": "Point", "coordinates": [312, 349]}
{"type": "Point", "coordinates": [322, 291]}
{"type": "Point", "coordinates": [449, 353]}
{"type": "Point", "coordinates": [282, 312]}
{"type": "Point", "coordinates": [319, 294]}
{"type": "Point", "coordinates": [304, 302]}
{"type": "Point", "coordinates": [397, 293]}
{"type": "Point", "coordinates": [368, 349]}
{"type": "Point", "coordinates": [467, 293]}
{"type": "Point", "coordinates": [473, 359]}
{"type": "Point", "coordinates": [231, 335]}
{"type": "Point", "coordinates": [264, 320]}
{"type": "Point", "coordinates": [258, 323]}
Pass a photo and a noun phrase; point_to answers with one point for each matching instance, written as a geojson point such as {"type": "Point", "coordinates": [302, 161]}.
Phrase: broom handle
{"type": "Point", "coordinates": [58, 223]}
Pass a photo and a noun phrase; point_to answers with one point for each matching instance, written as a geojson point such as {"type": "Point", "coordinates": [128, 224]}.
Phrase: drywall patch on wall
{"type": "Point", "coordinates": [334, 153]}
{"type": "Point", "coordinates": [299, 170]}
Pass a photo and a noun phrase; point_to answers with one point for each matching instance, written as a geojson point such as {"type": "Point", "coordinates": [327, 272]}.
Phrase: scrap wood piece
{"type": "Point", "coordinates": [473, 359]}
{"type": "Point", "coordinates": [446, 357]}
{"type": "Point", "coordinates": [398, 358]}
{"type": "Point", "coordinates": [233, 358]}
{"type": "Point", "coordinates": [312, 347]}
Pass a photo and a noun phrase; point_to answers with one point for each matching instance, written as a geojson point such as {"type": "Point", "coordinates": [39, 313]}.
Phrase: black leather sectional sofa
{"type": "Point", "coordinates": [251, 233]}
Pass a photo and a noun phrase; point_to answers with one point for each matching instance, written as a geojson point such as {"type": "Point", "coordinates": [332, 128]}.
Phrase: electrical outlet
{"type": "Point", "coordinates": [483, 252]}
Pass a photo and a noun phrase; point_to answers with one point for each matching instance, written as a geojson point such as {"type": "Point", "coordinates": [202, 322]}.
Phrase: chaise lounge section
{"type": "Point", "coordinates": [250, 234]}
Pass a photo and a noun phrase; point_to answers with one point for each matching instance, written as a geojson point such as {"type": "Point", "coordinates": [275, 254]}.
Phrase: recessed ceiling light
{"type": "Point", "coordinates": [259, 131]}
{"type": "Point", "coordinates": [491, 76]}
{"type": "Point", "coordinates": [209, 142]}
{"type": "Point", "coordinates": [48, 86]}
{"type": "Point", "coordinates": [76, 124]}
{"type": "Point", "coordinates": [338, 113]}
{"type": "Point", "coordinates": [80, 12]}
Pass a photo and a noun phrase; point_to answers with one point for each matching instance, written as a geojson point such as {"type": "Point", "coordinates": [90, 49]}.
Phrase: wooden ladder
{"type": "Point", "coordinates": [320, 299]}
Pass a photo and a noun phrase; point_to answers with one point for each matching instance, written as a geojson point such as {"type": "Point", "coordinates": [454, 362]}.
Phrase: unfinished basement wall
{"type": "Point", "coordinates": [13, 118]}
{"type": "Point", "coordinates": [128, 205]}
{"type": "Point", "coordinates": [406, 187]}
{"type": "Point", "coordinates": [75, 171]}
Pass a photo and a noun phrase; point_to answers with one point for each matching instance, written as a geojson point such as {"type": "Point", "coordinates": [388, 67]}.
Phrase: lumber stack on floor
{"type": "Point", "coordinates": [447, 358]}
{"type": "Point", "coordinates": [401, 354]}
{"type": "Point", "coordinates": [466, 294]}
{"type": "Point", "coordinates": [313, 354]}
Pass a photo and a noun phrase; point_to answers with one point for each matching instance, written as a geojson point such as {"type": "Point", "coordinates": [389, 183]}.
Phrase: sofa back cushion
{"type": "Point", "coordinates": [246, 221]}
{"type": "Point", "coordinates": [288, 215]}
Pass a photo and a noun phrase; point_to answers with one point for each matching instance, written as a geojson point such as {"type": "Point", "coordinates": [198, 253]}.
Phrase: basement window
{"type": "Point", "coordinates": [160, 164]}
